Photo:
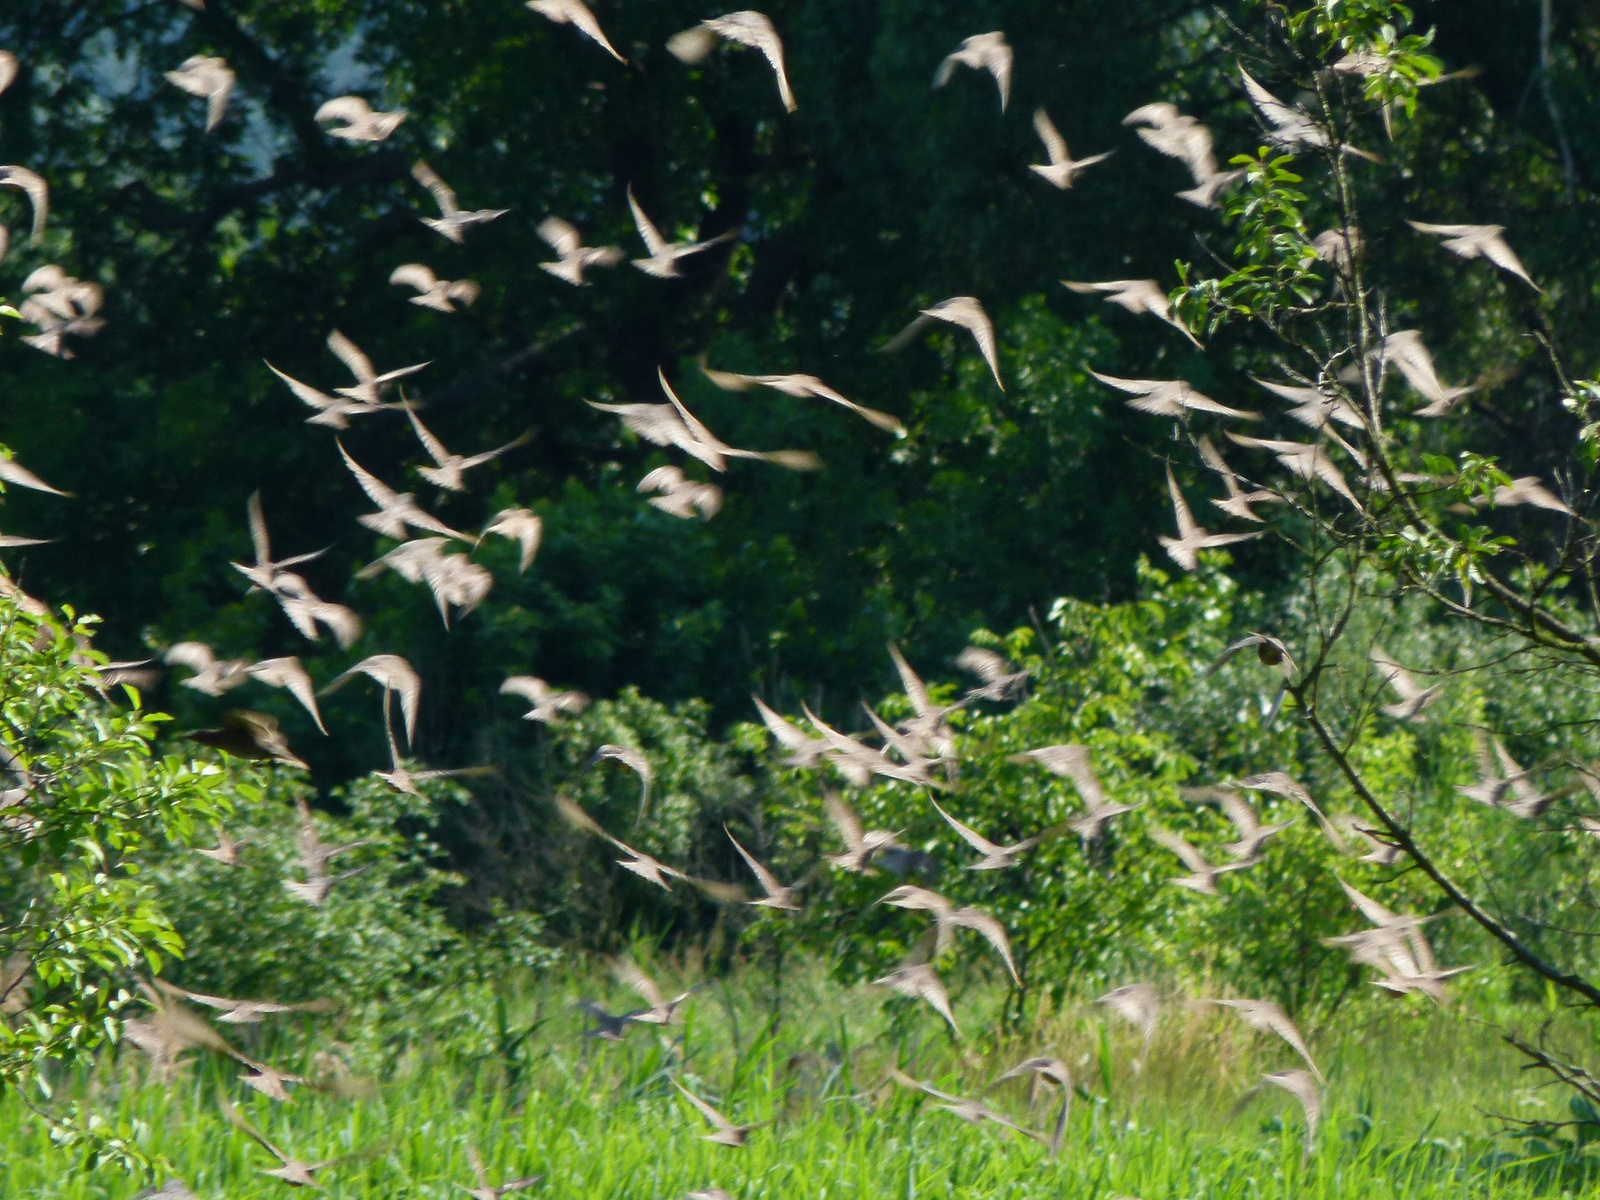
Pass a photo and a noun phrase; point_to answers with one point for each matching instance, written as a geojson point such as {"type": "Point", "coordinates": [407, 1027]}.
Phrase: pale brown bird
{"type": "Point", "coordinates": [918, 981]}
{"type": "Point", "coordinates": [965, 312]}
{"type": "Point", "coordinates": [270, 1082]}
{"type": "Point", "coordinates": [244, 1012]}
{"type": "Point", "coordinates": [723, 1131]}
{"type": "Point", "coordinates": [982, 52]}
{"type": "Point", "coordinates": [1397, 947]}
{"type": "Point", "coordinates": [858, 762]}
{"type": "Point", "coordinates": [1379, 852]}
{"type": "Point", "coordinates": [928, 725]}
{"type": "Point", "coordinates": [996, 857]}
{"type": "Point", "coordinates": [1203, 876]}
{"type": "Point", "coordinates": [575, 258]}
{"type": "Point", "coordinates": [1269, 1017]}
{"type": "Point", "coordinates": [361, 123]}
{"type": "Point", "coordinates": [1288, 127]}
{"type": "Point", "coordinates": [14, 473]}
{"type": "Point", "coordinates": [576, 13]}
{"type": "Point", "coordinates": [250, 735]}
{"type": "Point", "coordinates": [405, 780]}
{"type": "Point", "coordinates": [1054, 1071]}
{"type": "Point", "coordinates": [32, 185]}
{"type": "Point", "coordinates": [58, 304]}
{"type": "Point", "coordinates": [1340, 247]}
{"type": "Point", "coordinates": [1505, 785]}
{"type": "Point", "coordinates": [1192, 536]}
{"type": "Point", "coordinates": [170, 1031]}
{"type": "Point", "coordinates": [1238, 501]}
{"type": "Point", "coordinates": [1525, 490]}
{"type": "Point", "coordinates": [804, 751]}
{"type": "Point", "coordinates": [396, 510]}
{"type": "Point", "coordinates": [651, 870]}
{"type": "Point", "coordinates": [369, 384]}
{"type": "Point", "coordinates": [334, 412]}
{"type": "Point", "coordinates": [455, 581]}
{"type": "Point", "coordinates": [522, 526]}
{"type": "Point", "coordinates": [1303, 1088]}
{"type": "Point", "coordinates": [315, 854]}
{"type": "Point", "coordinates": [778, 895]}
{"type": "Point", "coordinates": [484, 1189]}
{"type": "Point", "coordinates": [1252, 833]}
{"type": "Point", "coordinates": [1413, 698]}
{"type": "Point", "coordinates": [1062, 170]}
{"type": "Point", "coordinates": [1137, 296]}
{"type": "Point", "coordinates": [226, 851]}
{"type": "Point", "coordinates": [608, 1027]}
{"type": "Point", "coordinates": [1167, 131]}
{"type": "Point", "coordinates": [1480, 241]}
{"type": "Point", "coordinates": [661, 1011]}
{"type": "Point", "coordinates": [394, 674]}
{"type": "Point", "coordinates": [215, 676]}
{"type": "Point", "coordinates": [453, 221]}
{"type": "Point", "coordinates": [746, 28]}
{"type": "Point", "coordinates": [441, 295]}
{"type": "Point", "coordinates": [207, 77]}
{"type": "Point", "coordinates": [948, 918]}
{"type": "Point", "coordinates": [1307, 461]}
{"type": "Point", "coordinates": [1280, 783]}
{"type": "Point", "coordinates": [266, 573]}
{"type": "Point", "coordinates": [662, 261]}
{"type": "Point", "coordinates": [1139, 1004]}
{"type": "Point", "coordinates": [636, 762]}
{"type": "Point", "coordinates": [1072, 762]}
{"type": "Point", "coordinates": [1411, 358]}
{"type": "Point", "coordinates": [1170, 398]}
{"type": "Point", "coordinates": [449, 470]}
{"type": "Point", "coordinates": [974, 1112]}
{"type": "Point", "coordinates": [1315, 407]}
{"type": "Point", "coordinates": [1000, 682]}
{"type": "Point", "coordinates": [679, 496]}
{"type": "Point", "coordinates": [801, 387]}
{"type": "Point", "coordinates": [293, 1171]}
{"type": "Point", "coordinates": [1270, 652]}
{"type": "Point", "coordinates": [548, 703]}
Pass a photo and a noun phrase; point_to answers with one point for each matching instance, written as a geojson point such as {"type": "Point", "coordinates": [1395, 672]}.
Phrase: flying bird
{"type": "Point", "coordinates": [210, 78]}
{"type": "Point", "coordinates": [454, 580]}
{"type": "Point", "coordinates": [575, 258]}
{"type": "Point", "coordinates": [1338, 247]}
{"type": "Point", "coordinates": [1170, 398]}
{"type": "Point", "coordinates": [368, 384]}
{"type": "Point", "coordinates": [1062, 170]}
{"type": "Point", "coordinates": [1054, 1071]}
{"type": "Point", "coordinates": [723, 1131]}
{"type": "Point", "coordinates": [1307, 461]}
{"type": "Point", "coordinates": [963, 311]}
{"type": "Point", "coordinates": [1314, 407]}
{"type": "Point", "coordinates": [680, 496]}
{"type": "Point", "coordinates": [9, 66]}
{"type": "Point", "coordinates": [441, 295]}
{"type": "Point", "coordinates": [860, 846]}
{"type": "Point", "coordinates": [664, 255]}
{"type": "Point", "coordinates": [1500, 777]}
{"type": "Point", "coordinates": [396, 510]}
{"type": "Point", "coordinates": [1203, 876]}
{"type": "Point", "coordinates": [1072, 763]}
{"type": "Point", "coordinates": [1480, 241]}
{"type": "Point", "coordinates": [1269, 1017]}
{"type": "Point", "coordinates": [394, 674]}
{"type": "Point", "coordinates": [974, 1112]}
{"type": "Point", "coordinates": [214, 676]}
{"type": "Point", "coordinates": [522, 526]}
{"type": "Point", "coordinates": [948, 917]}
{"type": "Point", "coordinates": [777, 895]}
{"type": "Point", "coordinates": [17, 475]}
{"type": "Point", "coordinates": [243, 1012]}
{"type": "Point", "coordinates": [1137, 296]}
{"type": "Point", "coordinates": [804, 750]}
{"type": "Point", "coordinates": [995, 856]}
{"type": "Point", "coordinates": [802, 387]}
{"type": "Point", "coordinates": [360, 122]}
{"type": "Point", "coordinates": [293, 1171]}
{"type": "Point", "coordinates": [928, 725]}
{"type": "Point", "coordinates": [1139, 1004]}
{"type": "Point", "coordinates": [1192, 537]}
{"type": "Point", "coordinates": [1252, 833]}
{"type": "Point", "coordinates": [1288, 127]}
{"type": "Point", "coordinates": [332, 411]}
{"type": "Point", "coordinates": [1413, 699]}
{"type": "Point", "coordinates": [1525, 490]}
{"type": "Point", "coordinates": [32, 185]}
{"type": "Point", "coordinates": [746, 28]}
{"type": "Point", "coordinates": [1303, 1087]}
{"type": "Point", "coordinates": [661, 1011]}
{"type": "Point", "coordinates": [449, 470]}
{"type": "Point", "coordinates": [982, 52]}
{"type": "Point", "coordinates": [651, 870]}
{"type": "Point", "coordinates": [1280, 783]}
{"type": "Point", "coordinates": [250, 735]}
{"type": "Point", "coordinates": [918, 981]}
{"type": "Point", "coordinates": [576, 13]}
{"type": "Point", "coordinates": [1411, 358]}
{"type": "Point", "coordinates": [1000, 682]}
{"type": "Point", "coordinates": [1165, 129]}
{"type": "Point", "coordinates": [453, 221]}
{"type": "Point", "coordinates": [1238, 501]}
{"type": "Point", "coordinates": [636, 762]}
{"type": "Point", "coordinates": [548, 703]}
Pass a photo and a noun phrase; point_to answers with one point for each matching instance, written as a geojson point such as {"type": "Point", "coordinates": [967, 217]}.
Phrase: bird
{"type": "Point", "coordinates": [948, 917]}
{"type": "Point", "coordinates": [1203, 877]}
{"type": "Point", "coordinates": [1139, 1004]}
{"type": "Point", "coordinates": [308, 613]}
{"type": "Point", "coordinates": [1281, 783]}
{"type": "Point", "coordinates": [672, 424]}
{"type": "Point", "coordinates": [548, 704]}
{"type": "Point", "coordinates": [1307, 461]}
{"type": "Point", "coordinates": [1238, 501]}
{"type": "Point", "coordinates": [361, 123]}
{"type": "Point", "coordinates": [484, 1189]}
{"type": "Point", "coordinates": [1338, 247]}
{"type": "Point", "coordinates": [315, 854]}
{"type": "Point", "coordinates": [1072, 762]}
{"type": "Point", "coordinates": [804, 750]}
{"type": "Point", "coordinates": [369, 384]}
{"type": "Point", "coordinates": [520, 525]}
{"type": "Point", "coordinates": [636, 762]}
{"type": "Point", "coordinates": [9, 66]}
{"type": "Point", "coordinates": [662, 261]}
{"type": "Point", "coordinates": [661, 1011]}
{"type": "Point", "coordinates": [609, 1027]}
{"type": "Point", "coordinates": [1500, 777]}
{"type": "Point", "coordinates": [332, 411]}
{"type": "Point", "coordinates": [859, 762]}
{"type": "Point", "coordinates": [982, 52]}
{"type": "Point", "coordinates": [1165, 129]}
{"type": "Point", "coordinates": [1269, 1017]}
{"type": "Point", "coordinates": [214, 677]}
{"type": "Point", "coordinates": [58, 304]}
{"type": "Point", "coordinates": [1479, 241]}
{"type": "Point", "coordinates": [243, 1012]}
{"type": "Point", "coordinates": [1054, 1071]}
{"type": "Point", "coordinates": [802, 387]}
{"type": "Point", "coordinates": [401, 777]}
{"type": "Point", "coordinates": [250, 735]}
{"type": "Point", "coordinates": [1170, 398]}
{"type": "Point", "coordinates": [1303, 1087]}
{"type": "Point", "coordinates": [576, 13]}
{"type": "Point", "coordinates": [293, 1171]}
{"type": "Point", "coordinates": [965, 312]}
{"type": "Point", "coordinates": [777, 895]}
{"type": "Point", "coordinates": [680, 496]}
{"type": "Point", "coordinates": [1270, 652]}
{"type": "Point", "coordinates": [267, 574]}
{"type": "Point", "coordinates": [1288, 127]}
{"type": "Point", "coordinates": [32, 185]}
{"type": "Point", "coordinates": [396, 510]}
{"type": "Point", "coordinates": [207, 77]}
{"type": "Point", "coordinates": [974, 1112]}
{"type": "Point", "coordinates": [225, 852]}
{"type": "Point", "coordinates": [1252, 833]}
{"type": "Point", "coordinates": [170, 1030]}
{"type": "Point", "coordinates": [723, 1131]}
{"type": "Point", "coordinates": [860, 846]}
{"type": "Point", "coordinates": [1062, 170]}
{"type": "Point", "coordinates": [918, 981]}
{"type": "Point", "coordinates": [1411, 358]}
{"type": "Point", "coordinates": [927, 727]}
{"type": "Point", "coordinates": [1314, 406]}
{"type": "Point", "coordinates": [996, 857]}
{"type": "Point", "coordinates": [1137, 296]}
{"type": "Point", "coordinates": [453, 221]}
{"type": "Point", "coordinates": [747, 28]}
{"type": "Point", "coordinates": [1192, 537]}
{"type": "Point", "coordinates": [449, 470]}
{"type": "Point", "coordinates": [394, 674]}
{"type": "Point", "coordinates": [1000, 682]}
{"type": "Point", "coordinates": [651, 870]}
{"type": "Point", "coordinates": [441, 295]}
{"type": "Point", "coordinates": [575, 258]}
{"type": "Point", "coordinates": [1413, 699]}
{"type": "Point", "coordinates": [172, 1189]}
{"type": "Point", "coordinates": [1526, 490]}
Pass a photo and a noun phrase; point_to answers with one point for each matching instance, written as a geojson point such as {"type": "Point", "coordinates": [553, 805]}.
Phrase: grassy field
{"type": "Point", "coordinates": [1406, 1104]}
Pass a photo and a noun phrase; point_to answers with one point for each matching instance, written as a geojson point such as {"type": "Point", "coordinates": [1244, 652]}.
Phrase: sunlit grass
{"type": "Point", "coordinates": [1406, 1102]}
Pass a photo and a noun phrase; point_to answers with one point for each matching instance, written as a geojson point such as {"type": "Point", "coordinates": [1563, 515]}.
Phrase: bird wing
{"type": "Point", "coordinates": [1191, 857]}
{"type": "Point", "coordinates": [706, 1111]}
{"type": "Point", "coordinates": [352, 109]}
{"type": "Point", "coordinates": [1274, 111]}
{"type": "Point", "coordinates": [628, 973]}
{"type": "Point", "coordinates": [1055, 146]}
{"type": "Point", "coordinates": [561, 235]}
{"type": "Point", "coordinates": [968, 313]}
{"type": "Point", "coordinates": [237, 1120]}
{"type": "Point", "coordinates": [969, 835]}
{"type": "Point", "coordinates": [304, 391]}
{"type": "Point", "coordinates": [1188, 528]}
{"type": "Point", "coordinates": [414, 275]}
{"type": "Point", "coordinates": [769, 881]}
{"type": "Point", "coordinates": [904, 338]}
{"type": "Point", "coordinates": [1499, 252]}
{"type": "Point", "coordinates": [197, 656]}
{"type": "Point", "coordinates": [1394, 674]}
{"type": "Point", "coordinates": [437, 188]}
{"type": "Point", "coordinates": [991, 931]}
{"type": "Point", "coordinates": [431, 444]}
{"type": "Point", "coordinates": [653, 241]}
{"type": "Point", "coordinates": [1444, 230]}
{"type": "Point", "coordinates": [352, 357]}
{"type": "Point", "coordinates": [377, 491]}
{"type": "Point", "coordinates": [916, 691]}
{"type": "Point", "coordinates": [844, 820]}
{"type": "Point", "coordinates": [289, 673]}
{"type": "Point", "coordinates": [755, 30]}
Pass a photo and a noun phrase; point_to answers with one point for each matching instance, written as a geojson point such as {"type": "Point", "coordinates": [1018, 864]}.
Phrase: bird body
{"type": "Point", "coordinates": [1413, 698]}
{"type": "Point", "coordinates": [1062, 170]}
{"type": "Point", "coordinates": [662, 261]}
{"type": "Point", "coordinates": [1192, 537]}
{"type": "Point", "coordinates": [548, 704]}
{"type": "Point", "coordinates": [1203, 874]}
{"type": "Point", "coordinates": [575, 258]}
{"type": "Point", "coordinates": [360, 122]}
{"type": "Point", "coordinates": [453, 221]}
{"type": "Point", "coordinates": [919, 982]}
{"type": "Point", "coordinates": [397, 511]}
{"type": "Point", "coordinates": [680, 496]}
{"type": "Point", "coordinates": [441, 295]}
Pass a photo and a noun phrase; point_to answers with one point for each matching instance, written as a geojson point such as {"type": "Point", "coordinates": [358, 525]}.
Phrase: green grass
{"type": "Point", "coordinates": [1408, 1088]}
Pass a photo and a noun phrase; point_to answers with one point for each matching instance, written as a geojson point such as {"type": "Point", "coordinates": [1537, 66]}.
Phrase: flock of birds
{"type": "Point", "coordinates": [922, 750]}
